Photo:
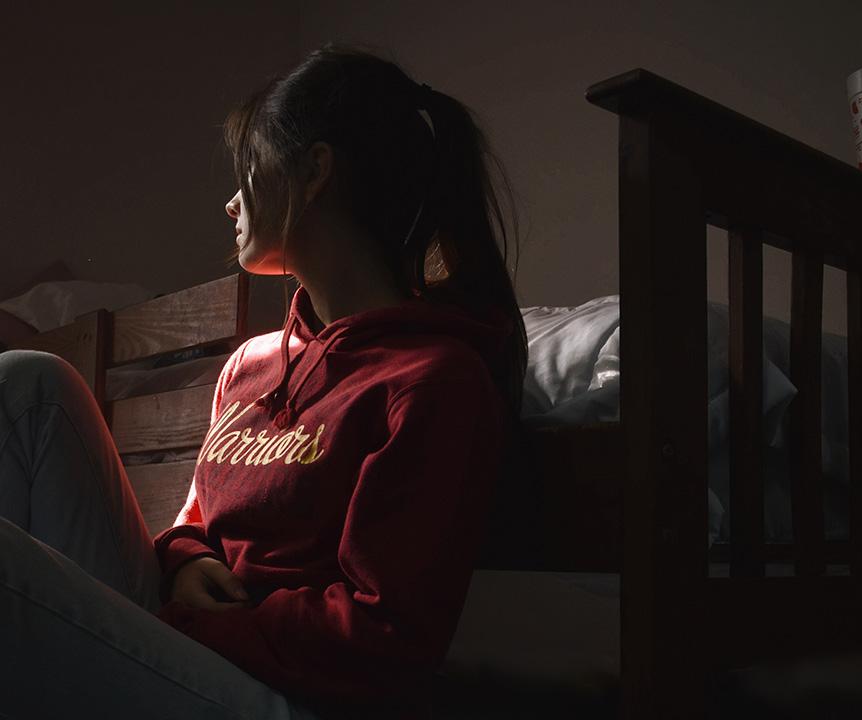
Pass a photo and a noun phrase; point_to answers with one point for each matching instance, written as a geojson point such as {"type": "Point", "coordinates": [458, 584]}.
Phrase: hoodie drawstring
{"type": "Point", "coordinates": [268, 398]}
{"type": "Point", "coordinates": [486, 335]}
{"type": "Point", "coordinates": [285, 416]}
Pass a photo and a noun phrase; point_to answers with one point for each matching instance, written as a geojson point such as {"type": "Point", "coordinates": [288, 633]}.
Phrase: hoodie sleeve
{"type": "Point", "coordinates": [186, 539]}
{"type": "Point", "coordinates": [411, 537]}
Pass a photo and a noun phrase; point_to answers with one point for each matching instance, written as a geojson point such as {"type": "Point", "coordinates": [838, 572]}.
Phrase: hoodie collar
{"type": "Point", "coordinates": [413, 316]}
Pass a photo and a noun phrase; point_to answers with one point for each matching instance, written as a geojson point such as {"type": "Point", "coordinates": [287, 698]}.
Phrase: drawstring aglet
{"type": "Point", "coordinates": [282, 418]}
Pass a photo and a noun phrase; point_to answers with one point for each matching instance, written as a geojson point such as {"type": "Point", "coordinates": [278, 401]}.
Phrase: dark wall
{"type": "Point", "coordinates": [113, 160]}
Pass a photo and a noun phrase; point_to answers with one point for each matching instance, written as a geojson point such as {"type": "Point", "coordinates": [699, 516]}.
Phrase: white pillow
{"type": "Point", "coordinates": [573, 367]}
{"type": "Point", "coordinates": [50, 305]}
{"type": "Point", "coordinates": [563, 345]}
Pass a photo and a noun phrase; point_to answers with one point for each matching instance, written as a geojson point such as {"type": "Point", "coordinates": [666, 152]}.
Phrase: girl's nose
{"type": "Point", "coordinates": [231, 206]}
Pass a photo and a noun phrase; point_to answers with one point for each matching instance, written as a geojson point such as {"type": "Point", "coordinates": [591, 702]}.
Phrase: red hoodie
{"type": "Point", "coordinates": [346, 479]}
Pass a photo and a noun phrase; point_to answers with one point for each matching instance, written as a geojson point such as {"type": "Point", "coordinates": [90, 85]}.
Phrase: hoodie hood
{"type": "Point", "coordinates": [416, 316]}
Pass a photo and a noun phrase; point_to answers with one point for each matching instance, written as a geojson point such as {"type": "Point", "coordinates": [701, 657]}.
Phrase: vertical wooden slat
{"type": "Point", "coordinates": [854, 369]}
{"type": "Point", "coordinates": [805, 427]}
{"type": "Point", "coordinates": [663, 405]}
{"type": "Point", "coordinates": [745, 368]}
{"type": "Point", "coordinates": [93, 344]}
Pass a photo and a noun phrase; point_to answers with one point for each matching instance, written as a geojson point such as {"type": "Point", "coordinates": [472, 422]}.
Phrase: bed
{"type": "Point", "coordinates": [672, 505]}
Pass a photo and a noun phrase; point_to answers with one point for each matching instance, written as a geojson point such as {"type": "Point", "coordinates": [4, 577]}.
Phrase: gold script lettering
{"type": "Point", "coordinates": [310, 454]}
{"type": "Point", "coordinates": [276, 448]}
{"type": "Point", "coordinates": [300, 438]}
{"type": "Point", "coordinates": [214, 434]}
{"type": "Point", "coordinates": [261, 449]}
{"type": "Point", "coordinates": [215, 450]}
{"type": "Point", "coordinates": [253, 458]}
{"type": "Point", "coordinates": [248, 441]}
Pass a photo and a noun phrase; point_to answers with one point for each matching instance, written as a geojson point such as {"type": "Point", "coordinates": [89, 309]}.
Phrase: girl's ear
{"type": "Point", "coordinates": [318, 169]}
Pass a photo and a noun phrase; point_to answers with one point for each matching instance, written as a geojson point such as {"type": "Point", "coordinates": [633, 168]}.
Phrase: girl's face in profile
{"type": "Point", "coordinates": [254, 256]}
{"type": "Point", "coordinates": [235, 208]}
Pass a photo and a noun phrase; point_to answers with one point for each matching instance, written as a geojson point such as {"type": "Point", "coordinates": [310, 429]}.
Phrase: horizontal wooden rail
{"type": "Point", "coordinates": [154, 380]}
{"type": "Point", "coordinates": [752, 175]}
{"type": "Point", "coordinates": [835, 552]}
{"type": "Point", "coordinates": [173, 419]}
{"type": "Point", "coordinates": [195, 317]}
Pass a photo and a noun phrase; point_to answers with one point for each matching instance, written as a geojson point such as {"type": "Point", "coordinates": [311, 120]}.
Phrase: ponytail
{"type": "Point", "coordinates": [413, 174]}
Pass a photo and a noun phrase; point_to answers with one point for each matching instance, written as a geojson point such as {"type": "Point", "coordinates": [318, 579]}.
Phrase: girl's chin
{"type": "Point", "coordinates": [255, 265]}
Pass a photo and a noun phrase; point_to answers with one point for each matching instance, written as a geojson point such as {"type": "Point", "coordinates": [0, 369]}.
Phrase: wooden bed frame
{"type": "Point", "coordinates": [628, 497]}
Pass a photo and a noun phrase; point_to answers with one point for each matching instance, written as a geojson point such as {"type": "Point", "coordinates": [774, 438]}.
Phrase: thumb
{"type": "Point", "coordinates": [227, 581]}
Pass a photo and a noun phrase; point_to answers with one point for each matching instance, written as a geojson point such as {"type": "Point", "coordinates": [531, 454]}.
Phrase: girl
{"type": "Point", "coordinates": [342, 494]}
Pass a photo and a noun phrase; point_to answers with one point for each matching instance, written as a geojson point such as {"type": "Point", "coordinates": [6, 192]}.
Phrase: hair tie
{"type": "Point", "coordinates": [423, 93]}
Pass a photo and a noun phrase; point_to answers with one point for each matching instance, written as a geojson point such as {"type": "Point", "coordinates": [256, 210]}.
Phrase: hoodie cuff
{"type": "Point", "coordinates": [178, 552]}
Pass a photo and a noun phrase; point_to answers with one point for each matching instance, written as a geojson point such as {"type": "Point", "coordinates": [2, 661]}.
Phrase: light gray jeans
{"type": "Point", "coordinates": [79, 576]}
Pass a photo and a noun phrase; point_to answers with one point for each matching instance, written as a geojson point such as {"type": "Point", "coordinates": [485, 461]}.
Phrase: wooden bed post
{"type": "Point", "coordinates": [663, 411]}
{"type": "Point", "coordinates": [854, 430]}
{"type": "Point", "coordinates": [686, 160]}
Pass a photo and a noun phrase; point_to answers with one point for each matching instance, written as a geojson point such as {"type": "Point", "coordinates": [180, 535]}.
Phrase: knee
{"type": "Point", "coordinates": [38, 369]}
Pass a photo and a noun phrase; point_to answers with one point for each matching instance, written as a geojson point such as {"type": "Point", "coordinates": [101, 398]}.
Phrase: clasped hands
{"type": "Point", "coordinates": [201, 582]}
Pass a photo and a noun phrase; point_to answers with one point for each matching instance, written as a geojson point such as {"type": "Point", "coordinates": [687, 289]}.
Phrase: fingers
{"type": "Point", "coordinates": [209, 584]}
{"type": "Point", "coordinates": [226, 580]}
{"type": "Point", "coordinates": [222, 606]}
{"type": "Point", "coordinates": [198, 598]}
{"type": "Point", "coordinates": [204, 600]}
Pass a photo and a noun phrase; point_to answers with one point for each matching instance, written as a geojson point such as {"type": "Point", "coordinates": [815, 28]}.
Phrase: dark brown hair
{"type": "Point", "coordinates": [390, 165]}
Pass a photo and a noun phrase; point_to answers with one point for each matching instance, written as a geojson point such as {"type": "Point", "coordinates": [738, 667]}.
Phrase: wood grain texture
{"type": "Point", "coordinates": [173, 419]}
{"type": "Point", "coordinates": [161, 490]}
{"type": "Point", "coordinates": [83, 344]}
{"type": "Point", "coordinates": [155, 380]}
{"type": "Point", "coordinates": [198, 316]}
